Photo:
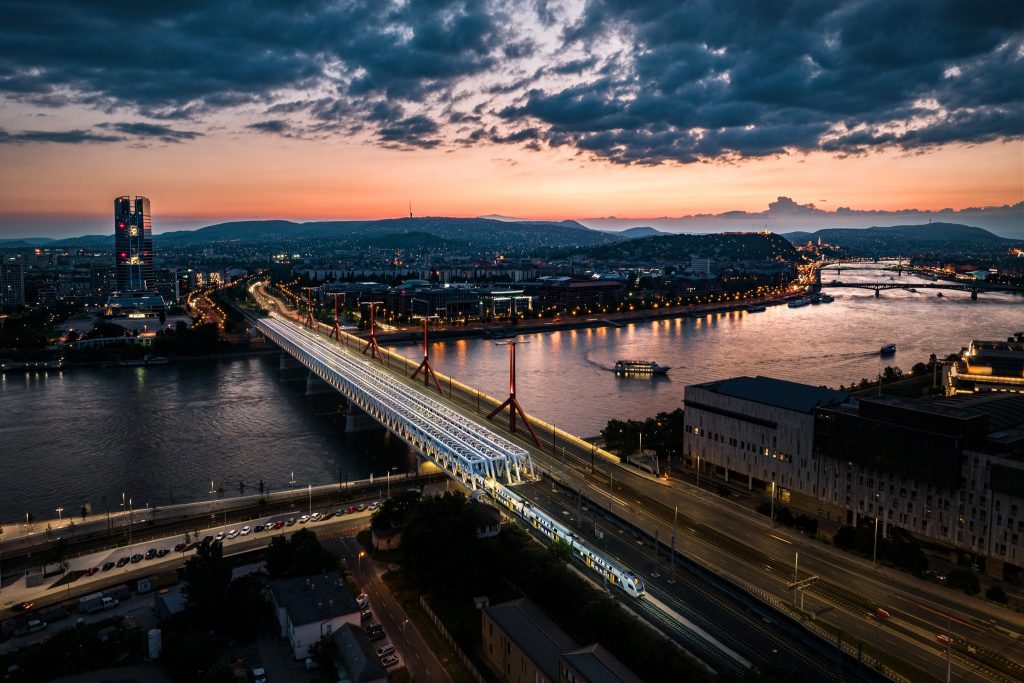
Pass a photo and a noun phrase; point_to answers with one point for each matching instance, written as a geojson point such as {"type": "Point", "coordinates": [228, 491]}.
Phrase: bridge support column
{"type": "Point", "coordinates": [288, 363]}
{"type": "Point", "coordinates": [316, 386]}
{"type": "Point", "coordinates": [358, 421]}
{"type": "Point", "coordinates": [878, 293]}
{"type": "Point", "coordinates": [974, 295]}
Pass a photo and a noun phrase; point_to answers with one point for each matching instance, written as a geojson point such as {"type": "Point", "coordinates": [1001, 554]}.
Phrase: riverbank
{"type": "Point", "coordinates": [619, 319]}
{"type": "Point", "coordinates": [240, 352]}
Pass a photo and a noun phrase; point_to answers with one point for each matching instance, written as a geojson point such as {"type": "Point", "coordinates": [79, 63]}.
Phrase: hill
{"type": "Point", "coordinates": [905, 239]}
{"type": "Point", "coordinates": [482, 234]}
{"type": "Point", "coordinates": [748, 246]}
{"type": "Point", "coordinates": [634, 233]}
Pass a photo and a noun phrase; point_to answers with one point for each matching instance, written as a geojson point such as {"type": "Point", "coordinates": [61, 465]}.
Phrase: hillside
{"type": "Point", "coordinates": [724, 247]}
{"type": "Point", "coordinates": [476, 233]}
{"type": "Point", "coordinates": [905, 239]}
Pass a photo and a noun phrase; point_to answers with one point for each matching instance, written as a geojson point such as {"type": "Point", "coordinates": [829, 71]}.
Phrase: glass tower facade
{"type": "Point", "coordinates": [133, 244]}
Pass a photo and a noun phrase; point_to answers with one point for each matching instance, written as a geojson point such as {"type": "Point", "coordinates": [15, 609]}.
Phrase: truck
{"type": "Point", "coordinates": [156, 582]}
{"type": "Point", "coordinates": [90, 603]}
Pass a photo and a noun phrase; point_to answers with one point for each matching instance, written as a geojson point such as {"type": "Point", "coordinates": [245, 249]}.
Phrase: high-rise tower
{"type": "Point", "coordinates": [133, 244]}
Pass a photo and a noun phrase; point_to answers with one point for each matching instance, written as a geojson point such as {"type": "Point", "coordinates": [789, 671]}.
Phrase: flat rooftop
{"type": "Point", "coordinates": [802, 398]}
{"type": "Point", "coordinates": [307, 599]}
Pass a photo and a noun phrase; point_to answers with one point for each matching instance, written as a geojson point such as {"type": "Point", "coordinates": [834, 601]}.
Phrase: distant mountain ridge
{"type": "Point", "coordinates": [895, 238]}
{"type": "Point", "coordinates": [483, 233]}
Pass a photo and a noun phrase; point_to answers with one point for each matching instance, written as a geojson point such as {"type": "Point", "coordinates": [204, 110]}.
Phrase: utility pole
{"type": "Point", "coordinates": [773, 503]}
{"type": "Point", "coordinates": [874, 548]}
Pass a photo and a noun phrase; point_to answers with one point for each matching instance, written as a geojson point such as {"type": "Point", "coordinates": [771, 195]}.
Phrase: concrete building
{"type": "Point", "coordinates": [12, 282]}
{"type": "Point", "coordinates": [310, 607]}
{"type": "Point", "coordinates": [522, 645]}
{"type": "Point", "coordinates": [757, 427]}
{"type": "Point", "coordinates": [566, 293]}
{"type": "Point", "coordinates": [989, 366]}
{"type": "Point", "coordinates": [949, 470]}
{"type": "Point", "coordinates": [357, 657]}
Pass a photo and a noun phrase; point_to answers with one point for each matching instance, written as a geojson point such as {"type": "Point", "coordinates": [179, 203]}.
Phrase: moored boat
{"type": "Point", "coordinates": [756, 308]}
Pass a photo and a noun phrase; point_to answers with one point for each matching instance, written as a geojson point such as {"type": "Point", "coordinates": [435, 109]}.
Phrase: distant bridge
{"type": "Point", "coordinates": [972, 287]}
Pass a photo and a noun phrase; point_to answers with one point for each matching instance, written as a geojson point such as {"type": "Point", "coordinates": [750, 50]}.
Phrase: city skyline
{"type": "Point", "coordinates": [555, 111]}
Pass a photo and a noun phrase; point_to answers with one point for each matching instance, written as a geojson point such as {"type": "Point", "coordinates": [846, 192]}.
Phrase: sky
{"type": "Point", "coordinates": [851, 112]}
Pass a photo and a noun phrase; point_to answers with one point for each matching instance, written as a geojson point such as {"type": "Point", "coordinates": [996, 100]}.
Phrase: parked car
{"type": "Point", "coordinates": [365, 615]}
{"type": "Point", "coordinates": [291, 521]}
{"type": "Point", "coordinates": [279, 524]}
{"type": "Point", "coordinates": [163, 552]}
{"type": "Point", "coordinates": [385, 649]}
{"type": "Point", "coordinates": [389, 660]}
{"type": "Point", "coordinates": [91, 571]}
{"type": "Point", "coordinates": [246, 530]}
{"type": "Point", "coordinates": [363, 599]}
{"type": "Point", "coordinates": [259, 674]}
{"type": "Point", "coordinates": [361, 507]}
{"type": "Point", "coordinates": [123, 561]}
{"type": "Point", "coordinates": [315, 517]}
{"type": "Point", "coordinates": [232, 533]}
{"type": "Point", "coordinates": [180, 548]}
{"type": "Point", "coordinates": [303, 519]}
{"type": "Point", "coordinates": [350, 509]}
{"type": "Point", "coordinates": [374, 505]}
{"type": "Point", "coordinates": [136, 558]}
{"type": "Point", "coordinates": [326, 516]}
{"type": "Point", "coordinates": [219, 537]}
{"type": "Point", "coordinates": [151, 553]}
{"type": "Point", "coordinates": [258, 528]}
{"type": "Point", "coordinates": [107, 566]}
{"type": "Point", "coordinates": [36, 625]}
{"type": "Point", "coordinates": [339, 511]}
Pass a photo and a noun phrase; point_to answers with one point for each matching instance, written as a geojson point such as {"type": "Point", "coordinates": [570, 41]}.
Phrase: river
{"type": "Point", "coordinates": [162, 433]}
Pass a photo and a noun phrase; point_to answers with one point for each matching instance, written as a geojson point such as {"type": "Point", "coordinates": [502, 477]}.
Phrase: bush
{"type": "Point", "coordinates": [996, 594]}
{"type": "Point", "coordinates": [964, 580]}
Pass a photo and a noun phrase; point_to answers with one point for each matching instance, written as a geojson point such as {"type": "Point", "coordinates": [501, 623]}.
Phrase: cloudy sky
{"type": "Point", "coordinates": [540, 109]}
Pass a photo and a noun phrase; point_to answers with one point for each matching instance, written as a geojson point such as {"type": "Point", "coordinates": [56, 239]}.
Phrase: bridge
{"type": "Point", "coordinates": [973, 287]}
{"type": "Point", "coordinates": [463, 449]}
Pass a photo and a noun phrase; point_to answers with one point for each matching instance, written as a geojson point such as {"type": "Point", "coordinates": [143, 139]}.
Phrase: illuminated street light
{"type": "Point", "coordinates": [59, 511]}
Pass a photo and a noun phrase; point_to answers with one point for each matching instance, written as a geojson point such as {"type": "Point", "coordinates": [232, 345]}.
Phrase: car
{"type": "Point", "coordinates": [385, 649]}
{"type": "Point", "coordinates": [339, 512]}
{"type": "Point", "coordinates": [36, 625]}
{"type": "Point", "coordinates": [259, 674]}
{"type": "Point", "coordinates": [376, 635]}
{"type": "Point", "coordinates": [373, 628]}
{"type": "Point", "coordinates": [219, 537]}
{"type": "Point", "coordinates": [232, 533]}
{"type": "Point", "coordinates": [365, 615]}
{"type": "Point", "coordinates": [246, 530]}
{"type": "Point", "coordinates": [258, 528]}
{"type": "Point", "coordinates": [151, 553]}
{"type": "Point", "coordinates": [180, 548]}
{"type": "Point", "coordinates": [279, 524]}
{"type": "Point", "coordinates": [363, 599]}
{"type": "Point", "coordinates": [315, 517]}
{"type": "Point", "coordinates": [24, 606]}
{"type": "Point", "coordinates": [163, 552]}
{"type": "Point", "coordinates": [291, 521]}
{"type": "Point", "coordinates": [123, 561]}
{"type": "Point", "coordinates": [107, 566]}
{"type": "Point", "coordinates": [389, 661]}
{"type": "Point", "coordinates": [361, 507]}
{"type": "Point", "coordinates": [136, 558]}
{"type": "Point", "coordinates": [327, 517]}
{"type": "Point", "coordinates": [374, 505]}
{"type": "Point", "coordinates": [351, 509]}
{"type": "Point", "coordinates": [91, 571]}
{"type": "Point", "coordinates": [303, 519]}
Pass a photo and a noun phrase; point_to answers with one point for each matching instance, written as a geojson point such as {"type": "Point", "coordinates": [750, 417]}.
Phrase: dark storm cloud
{"type": "Point", "coordinates": [156, 131]}
{"type": "Point", "coordinates": [634, 82]}
{"type": "Point", "coordinates": [713, 79]}
{"type": "Point", "coordinates": [66, 137]}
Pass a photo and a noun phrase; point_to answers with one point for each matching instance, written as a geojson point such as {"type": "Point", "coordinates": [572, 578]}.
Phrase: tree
{"type": "Point", "coordinates": [325, 654]}
{"type": "Point", "coordinates": [208, 575]}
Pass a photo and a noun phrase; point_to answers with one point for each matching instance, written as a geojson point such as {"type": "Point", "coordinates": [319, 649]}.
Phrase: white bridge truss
{"type": "Point", "coordinates": [464, 449]}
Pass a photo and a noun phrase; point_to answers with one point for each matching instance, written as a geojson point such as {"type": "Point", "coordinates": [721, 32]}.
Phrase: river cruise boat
{"type": "Point", "coordinates": [639, 367]}
{"type": "Point", "coordinates": [756, 308]}
{"type": "Point", "coordinates": [798, 303]}
{"type": "Point", "coordinates": [143, 362]}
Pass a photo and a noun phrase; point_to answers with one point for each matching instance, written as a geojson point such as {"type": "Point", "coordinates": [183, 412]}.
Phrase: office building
{"type": "Point", "coordinates": [133, 244]}
{"type": "Point", "coordinates": [12, 282]}
{"type": "Point", "coordinates": [949, 470]}
{"type": "Point", "coordinates": [988, 366]}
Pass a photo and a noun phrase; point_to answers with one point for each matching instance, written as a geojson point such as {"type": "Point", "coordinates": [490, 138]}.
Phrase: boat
{"type": "Point", "coordinates": [912, 290]}
{"type": "Point", "coordinates": [939, 294]}
{"type": "Point", "coordinates": [639, 367]}
{"type": "Point", "coordinates": [827, 298]}
{"type": "Point", "coordinates": [797, 303]}
{"type": "Point", "coordinates": [144, 361]}
{"type": "Point", "coordinates": [756, 308]}
{"type": "Point", "coordinates": [888, 350]}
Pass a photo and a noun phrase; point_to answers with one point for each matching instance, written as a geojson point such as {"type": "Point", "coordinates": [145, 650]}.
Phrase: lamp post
{"type": "Point", "coordinates": [59, 515]}
{"type": "Point", "coordinates": [310, 489]}
{"type": "Point", "coordinates": [698, 474]}
{"type": "Point", "coordinates": [874, 546]}
{"type": "Point", "coordinates": [772, 517]}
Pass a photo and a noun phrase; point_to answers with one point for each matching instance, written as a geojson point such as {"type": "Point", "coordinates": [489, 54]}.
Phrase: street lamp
{"type": "Point", "coordinates": [389, 479]}
{"type": "Point", "coordinates": [59, 515]}
{"type": "Point", "coordinates": [310, 488]}
{"type": "Point", "coordinates": [773, 503]}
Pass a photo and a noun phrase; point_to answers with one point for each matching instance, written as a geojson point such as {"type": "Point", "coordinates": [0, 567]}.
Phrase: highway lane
{"type": "Point", "coordinates": [855, 587]}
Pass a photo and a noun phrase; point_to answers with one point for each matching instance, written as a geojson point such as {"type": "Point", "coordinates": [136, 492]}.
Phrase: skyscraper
{"type": "Point", "coordinates": [12, 283]}
{"type": "Point", "coordinates": [133, 244]}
